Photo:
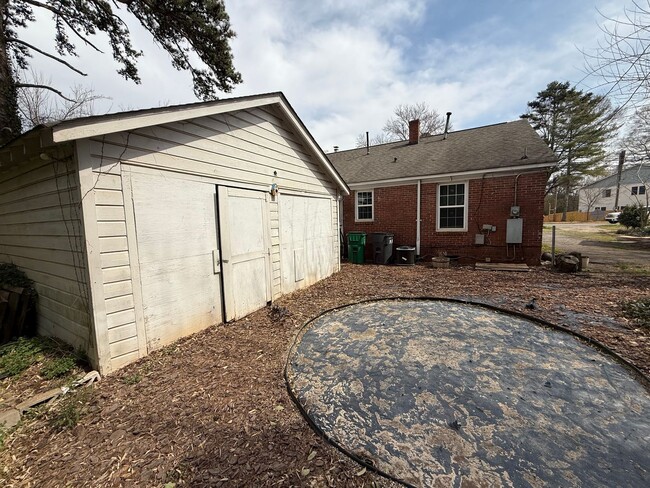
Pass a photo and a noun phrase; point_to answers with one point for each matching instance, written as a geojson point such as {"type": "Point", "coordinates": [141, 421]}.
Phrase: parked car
{"type": "Point", "coordinates": [612, 217]}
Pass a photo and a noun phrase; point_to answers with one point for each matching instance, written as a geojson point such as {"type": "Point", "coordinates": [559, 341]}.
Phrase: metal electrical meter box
{"type": "Point", "coordinates": [514, 231]}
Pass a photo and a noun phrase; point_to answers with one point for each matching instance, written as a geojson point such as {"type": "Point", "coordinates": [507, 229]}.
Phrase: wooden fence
{"type": "Point", "coordinates": [576, 216]}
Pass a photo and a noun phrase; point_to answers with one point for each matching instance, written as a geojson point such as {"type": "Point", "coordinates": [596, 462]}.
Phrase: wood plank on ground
{"type": "Point", "coordinates": [517, 267]}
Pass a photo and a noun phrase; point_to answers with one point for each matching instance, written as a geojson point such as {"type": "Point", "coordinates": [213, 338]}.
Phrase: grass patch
{"type": "Point", "coordinates": [547, 248]}
{"type": "Point", "coordinates": [132, 379]}
{"type": "Point", "coordinates": [70, 410]}
{"type": "Point", "coordinates": [638, 311]}
{"type": "Point", "coordinates": [57, 358]}
{"type": "Point", "coordinates": [56, 368]}
{"type": "Point", "coordinates": [634, 269]}
{"type": "Point", "coordinates": [601, 236]}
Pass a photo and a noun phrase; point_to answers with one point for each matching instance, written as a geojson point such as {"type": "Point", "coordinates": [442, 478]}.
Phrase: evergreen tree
{"type": "Point", "coordinates": [576, 126]}
{"type": "Point", "coordinates": [181, 27]}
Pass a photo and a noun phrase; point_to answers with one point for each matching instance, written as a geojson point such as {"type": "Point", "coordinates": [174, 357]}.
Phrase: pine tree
{"type": "Point", "coordinates": [181, 27]}
{"type": "Point", "coordinates": [577, 127]}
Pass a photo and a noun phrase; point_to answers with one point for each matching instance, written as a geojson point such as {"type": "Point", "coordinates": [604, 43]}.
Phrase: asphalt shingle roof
{"type": "Point", "coordinates": [483, 148]}
{"type": "Point", "coordinates": [633, 175]}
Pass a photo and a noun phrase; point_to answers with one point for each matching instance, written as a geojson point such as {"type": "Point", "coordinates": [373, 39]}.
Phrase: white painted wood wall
{"type": "Point", "coordinates": [41, 232]}
{"type": "Point", "coordinates": [248, 149]}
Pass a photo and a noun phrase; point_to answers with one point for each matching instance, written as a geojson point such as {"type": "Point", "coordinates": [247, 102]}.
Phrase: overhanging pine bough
{"type": "Point", "coordinates": [181, 27]}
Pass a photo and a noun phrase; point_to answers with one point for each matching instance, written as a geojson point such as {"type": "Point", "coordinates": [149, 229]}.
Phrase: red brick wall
{"type": "Point", "coordinates": [490, 200]}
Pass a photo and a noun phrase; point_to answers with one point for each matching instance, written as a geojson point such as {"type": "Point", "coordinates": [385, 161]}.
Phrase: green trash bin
{"type": "Point", "coordinates": [356, 247]}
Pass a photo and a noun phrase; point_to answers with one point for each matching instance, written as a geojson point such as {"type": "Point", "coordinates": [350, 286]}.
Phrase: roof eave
{"type": "Point", "coordinates": [461, 174]}
{"type": "Point", "coordinates": [107, 124]}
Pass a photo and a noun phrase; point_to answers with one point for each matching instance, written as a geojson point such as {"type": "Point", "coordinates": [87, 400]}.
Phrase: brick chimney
{"type": "Point", "coordinates": [414, 131]}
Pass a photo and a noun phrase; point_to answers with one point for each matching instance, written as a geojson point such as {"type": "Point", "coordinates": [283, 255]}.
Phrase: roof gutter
{"type": "Point", "coordinates": [461, 174]}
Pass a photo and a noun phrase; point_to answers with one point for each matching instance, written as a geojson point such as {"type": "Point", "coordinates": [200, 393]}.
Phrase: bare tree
{"type": "Point", "coordinates": [196, 35]}
{"type": "Point", "coordinates": [637, 146]}
{"type": "Point", "coordinates": [397, 127]}
{"type": "Point", "coordinates": [375, 140]}
{"type": "Point", "coordinates": [590, 196]}
{"type": "Point", "coordinates": [637, 140]}
{"type": "Point", "coordinates": [40, 106]}
{"type": "Point", "coordinates": [622, 59]}
{"type": "Point", "coordinates": [431, 122]}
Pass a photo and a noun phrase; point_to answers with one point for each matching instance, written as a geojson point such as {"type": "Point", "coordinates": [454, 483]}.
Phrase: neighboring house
{"type": "Point", "coordinates": [452, 194]}
{"type": "Point", "coordinates": [601, 194]}
{"type": "Point", "coordinates": [142, 227]}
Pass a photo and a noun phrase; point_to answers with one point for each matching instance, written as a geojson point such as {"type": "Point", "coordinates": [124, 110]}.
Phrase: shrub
{"type": "Point", "coordinates": [17, 356]}
{"type": "Point", "coordinates": [634, 216]}
{"type": "Point", "coordinates": [55, 368]}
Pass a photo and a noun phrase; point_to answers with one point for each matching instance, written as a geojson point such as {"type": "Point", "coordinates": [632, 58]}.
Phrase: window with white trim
{"type": "Point", "coordinates": [452, 207]}
{"type": "Point", "coordinates": [638, 190]}
{"type": "Point", "coordinates": [364, 206]}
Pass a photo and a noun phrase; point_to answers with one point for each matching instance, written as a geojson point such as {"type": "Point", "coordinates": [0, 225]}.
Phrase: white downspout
{"type": "Point", "coordinates": [417, 220]}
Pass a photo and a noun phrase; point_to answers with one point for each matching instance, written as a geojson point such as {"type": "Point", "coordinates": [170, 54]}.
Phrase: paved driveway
{"type": "Point", "coordinates": [438, 393]}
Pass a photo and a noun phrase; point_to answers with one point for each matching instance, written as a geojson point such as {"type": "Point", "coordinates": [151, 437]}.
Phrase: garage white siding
{"type": "Point", "coordinates": [307, 238]}
{"type": "Point", "coordinates": [115, 258]}
{"type": "Point", "coordinates": [252, 149]}
{"type": "Point", "coordinates": [41, 232]}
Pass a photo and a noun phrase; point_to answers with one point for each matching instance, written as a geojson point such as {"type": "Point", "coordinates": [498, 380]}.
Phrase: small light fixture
{"type": "Point", "coordinates": [274, 189]}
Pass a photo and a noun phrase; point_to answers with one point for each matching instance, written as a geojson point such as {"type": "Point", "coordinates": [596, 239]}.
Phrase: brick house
{"type": "Point", "coordinates": [476, 193]}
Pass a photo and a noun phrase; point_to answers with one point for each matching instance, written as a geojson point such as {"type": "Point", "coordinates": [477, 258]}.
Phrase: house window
{"type": "Point", "coordinates": [364, 203]}
{"type": "Point", "coordinates": [638, 190]}
{"type": "Point", "coordinates": [452, 207]}
{"type": "Point", "coordinates": [600, 209]}
{"type": "Point", "coordinates": [607, 193]}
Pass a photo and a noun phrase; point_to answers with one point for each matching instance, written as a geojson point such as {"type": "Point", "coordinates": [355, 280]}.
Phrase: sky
{"type": "Point", "coordinates": [345, 65]}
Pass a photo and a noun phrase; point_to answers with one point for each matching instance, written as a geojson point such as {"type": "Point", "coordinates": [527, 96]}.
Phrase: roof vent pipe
{"type": "Point", "coordinates": [367, 143]}
{"type": "Point", "coordinates": [447, 125]}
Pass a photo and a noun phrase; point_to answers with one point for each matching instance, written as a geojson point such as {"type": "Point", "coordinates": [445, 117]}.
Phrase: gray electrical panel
{"type": "Point", "coordinates": [514, 231]}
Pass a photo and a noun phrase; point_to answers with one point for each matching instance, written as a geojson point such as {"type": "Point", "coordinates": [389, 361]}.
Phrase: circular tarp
{"type": "Point", "coordinates": [438, 393]}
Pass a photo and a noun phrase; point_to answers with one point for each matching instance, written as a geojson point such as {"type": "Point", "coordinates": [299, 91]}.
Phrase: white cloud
{"type": "Point", "coordinates": [345, 65]}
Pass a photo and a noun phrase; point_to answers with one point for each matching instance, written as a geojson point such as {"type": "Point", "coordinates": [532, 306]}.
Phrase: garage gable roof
{"type": "Point", "coordinates": [97, 125]}
{"type": "Point", "coordinates": [488, 149]}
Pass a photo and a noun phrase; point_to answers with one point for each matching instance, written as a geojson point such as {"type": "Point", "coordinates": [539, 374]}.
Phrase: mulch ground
{"type": "Point", "coordinates": [213, 409]}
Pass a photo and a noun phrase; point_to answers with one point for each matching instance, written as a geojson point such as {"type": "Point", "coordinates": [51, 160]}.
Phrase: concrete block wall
{"type": "Point", "coordinates": [489, 202]}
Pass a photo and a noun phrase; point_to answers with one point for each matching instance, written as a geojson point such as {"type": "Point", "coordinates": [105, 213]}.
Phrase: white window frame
{"type": "Point", "coordinates": [356, 205]}
{"type": "Point", "coordinates": [466, 199]}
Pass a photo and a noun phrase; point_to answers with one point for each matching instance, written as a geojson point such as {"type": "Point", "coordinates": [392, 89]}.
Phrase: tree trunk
{"type": "Point", "coordinates": [10, 125]}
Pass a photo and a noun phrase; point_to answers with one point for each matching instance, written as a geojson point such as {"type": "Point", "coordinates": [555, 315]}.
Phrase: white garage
{"type": "Point", "coordinates": [142, 227]}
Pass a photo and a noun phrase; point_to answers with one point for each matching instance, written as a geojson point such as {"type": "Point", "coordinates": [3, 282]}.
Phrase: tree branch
{"type": "Point", "coordinates": [51, 56]}
{"type": "Point", "coordinates": [44, 87]}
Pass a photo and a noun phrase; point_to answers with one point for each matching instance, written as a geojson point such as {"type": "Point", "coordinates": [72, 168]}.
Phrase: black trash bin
{"type": "Point", "coordinates": [405, 256]}
{"type": "Point", "coordinates": [382, 247]}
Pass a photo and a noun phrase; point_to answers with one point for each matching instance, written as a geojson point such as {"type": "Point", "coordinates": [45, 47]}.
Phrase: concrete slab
{"type": "Point", "coordinates": [437, 393]}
